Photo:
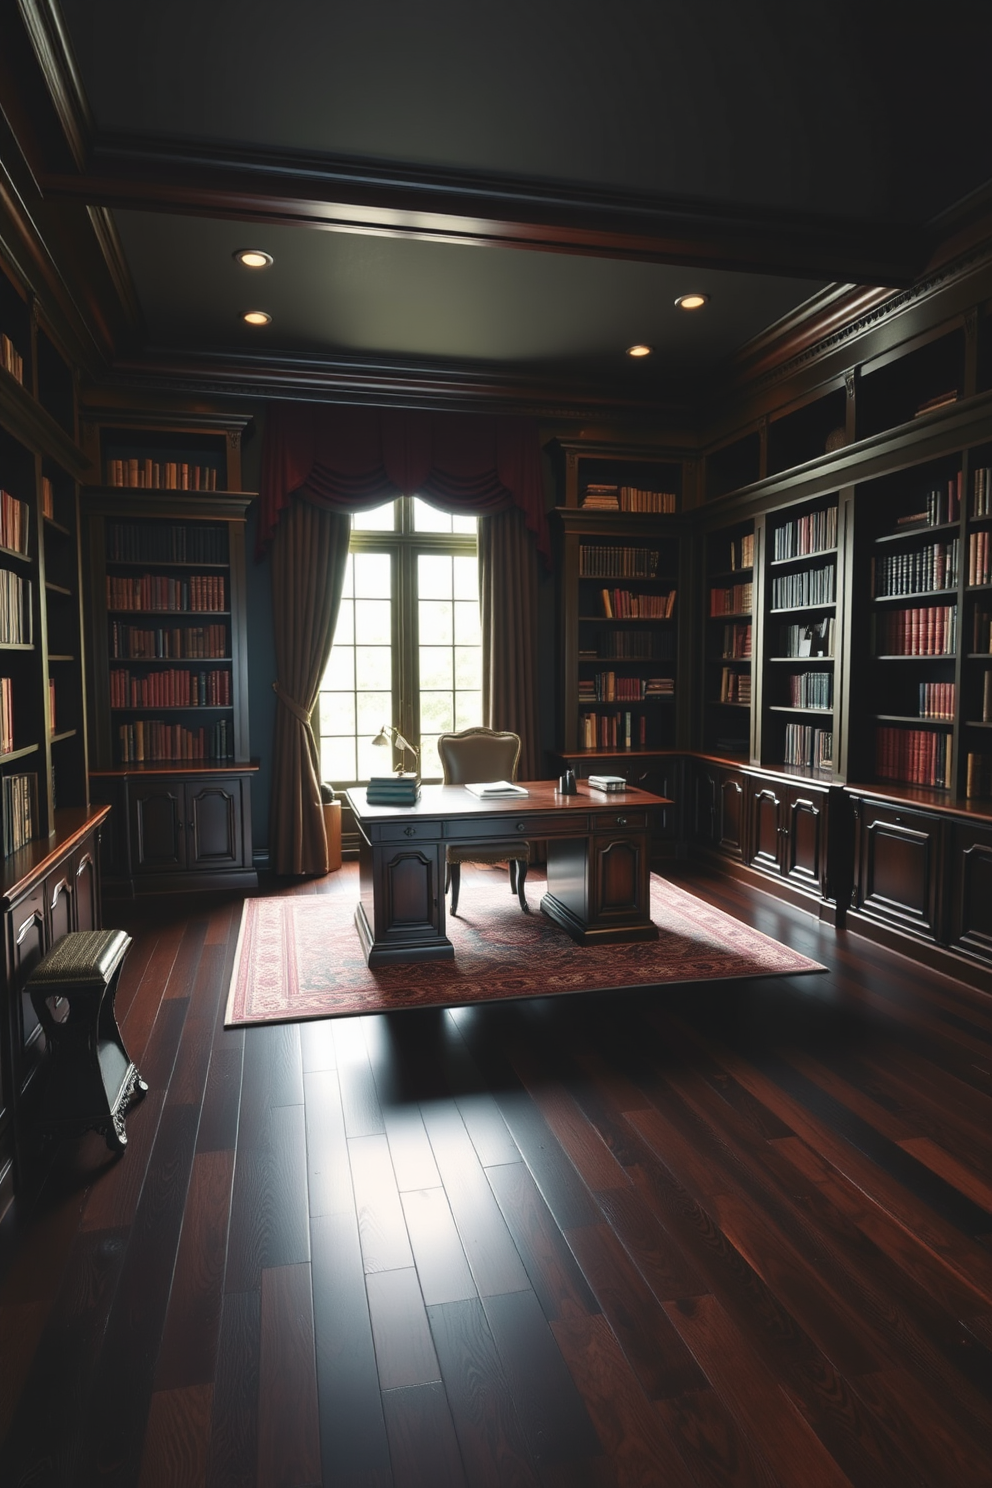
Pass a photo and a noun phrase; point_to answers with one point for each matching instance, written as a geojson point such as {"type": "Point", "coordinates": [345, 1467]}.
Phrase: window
{"type": "Point", "coordinates": [407, 648]}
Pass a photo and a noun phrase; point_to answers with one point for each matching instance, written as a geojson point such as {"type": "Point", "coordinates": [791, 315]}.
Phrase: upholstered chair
{"type": "Point", "coordinates": [483, 754]}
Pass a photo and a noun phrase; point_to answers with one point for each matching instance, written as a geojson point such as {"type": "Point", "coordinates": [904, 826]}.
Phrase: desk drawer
{"type": "Point", "coordinates": [560, 824]}
{"type": "Point", "coordinates": [624, 820]}
{"type": "Point", "coordinates": [411, 831]}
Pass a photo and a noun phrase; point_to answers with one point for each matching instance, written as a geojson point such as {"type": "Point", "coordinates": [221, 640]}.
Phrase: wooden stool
{"type": "Point", "coordinates": [91, 1078]}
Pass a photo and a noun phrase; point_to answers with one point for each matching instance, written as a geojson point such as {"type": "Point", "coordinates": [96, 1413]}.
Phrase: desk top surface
{"type": "Point", "coordinates": [542, 796]}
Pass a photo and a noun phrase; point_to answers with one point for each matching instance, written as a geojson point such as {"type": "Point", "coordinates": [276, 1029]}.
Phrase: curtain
{"type": "Point", "coordinates": [309, 557]}
{"type": "Point", "coordinates": [508, 605]}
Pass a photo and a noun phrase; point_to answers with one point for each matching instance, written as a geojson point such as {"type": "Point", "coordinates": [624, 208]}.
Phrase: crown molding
{"type": "Point", "coordinates": [344, 194]}
{"type": "Point", "coordinates": [42, 20]}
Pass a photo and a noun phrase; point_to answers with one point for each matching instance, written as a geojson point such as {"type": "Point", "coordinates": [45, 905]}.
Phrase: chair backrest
{"type": "Point", "coordinates": [478, 754]}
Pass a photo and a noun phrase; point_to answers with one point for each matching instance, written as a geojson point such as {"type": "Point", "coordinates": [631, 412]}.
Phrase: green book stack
{"type": "Point", "coordinates": [393, 790]}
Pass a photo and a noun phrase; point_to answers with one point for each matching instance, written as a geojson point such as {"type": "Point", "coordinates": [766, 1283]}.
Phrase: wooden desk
{"type": "Point", "coordinates": [598, 863]}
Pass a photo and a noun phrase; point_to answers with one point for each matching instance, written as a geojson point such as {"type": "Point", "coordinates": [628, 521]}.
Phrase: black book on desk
{"type": "Point", "coordinates": [393, 790]}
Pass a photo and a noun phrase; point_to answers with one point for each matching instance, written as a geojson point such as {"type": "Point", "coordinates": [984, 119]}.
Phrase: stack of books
{"type": "Point", "coordinates": [393, 790]}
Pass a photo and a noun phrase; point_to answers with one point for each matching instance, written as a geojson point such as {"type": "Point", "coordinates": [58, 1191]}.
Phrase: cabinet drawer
{"type": "Point", "coordinates": [559, 824]}
{"type": "Point", "coordinates": [411, 831]}
{"type": "Point", "coordinates": [611, 821]}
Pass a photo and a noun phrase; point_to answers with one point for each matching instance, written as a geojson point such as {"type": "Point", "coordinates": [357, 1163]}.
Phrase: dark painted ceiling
{"type": "Point", "coordinates": [520, 187]}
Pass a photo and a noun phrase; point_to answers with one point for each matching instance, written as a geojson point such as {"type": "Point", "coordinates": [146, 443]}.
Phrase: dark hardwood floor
{"type": "Point", "coordinates": [733, 1234]}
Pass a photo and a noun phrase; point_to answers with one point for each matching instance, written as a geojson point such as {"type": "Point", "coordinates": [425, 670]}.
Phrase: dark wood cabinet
{"type": "Point", "coordinates": [970, 928]}
{"type": "Point", "coordinates": [788, 835]}
{"type": "Point", "coordinates": [716, 807]}
{"type": "Point", "coordinates": [180, 829]}
{"type": "Point", "coordinates": [899, 856]}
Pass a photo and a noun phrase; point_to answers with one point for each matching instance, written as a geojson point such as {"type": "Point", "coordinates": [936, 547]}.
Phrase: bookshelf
{"type": "Point", "coordinates": [976, 629]}
{"type": "Point", "coordinates": [799, 633]}
{"type": "Point", "coordinates": [729, 640]}
{"type": "Point", "coordinates": [169, 704]}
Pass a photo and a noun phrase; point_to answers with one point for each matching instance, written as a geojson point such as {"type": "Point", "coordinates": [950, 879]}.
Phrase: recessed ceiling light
{"type": "Point", "coordinates": [256, 317]}
{"type": "Point", "coordinates": [253, 258]}
{"type": "Point", "coordinates": [694, 301]}
{"type": "Point", "coordinates": [640, 350]}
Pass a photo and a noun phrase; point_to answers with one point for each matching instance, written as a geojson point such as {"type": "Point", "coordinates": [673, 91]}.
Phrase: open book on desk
{"type": "Point", "coordinates": [487, 788]}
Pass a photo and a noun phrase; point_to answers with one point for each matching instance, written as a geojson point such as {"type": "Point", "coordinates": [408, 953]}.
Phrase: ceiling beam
{"type": "Point", "coordinates": [360, 196]}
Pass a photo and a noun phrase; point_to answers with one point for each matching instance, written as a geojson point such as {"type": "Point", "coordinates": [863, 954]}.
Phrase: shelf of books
{"type": "Point", "coordinates": [799, 638]}
{"type": "Point", "coordinates": [728, 654]}
{"type": "Point", "coordinates": [976, 679]}
{"type": "Point", "coordinates": [909, 534]}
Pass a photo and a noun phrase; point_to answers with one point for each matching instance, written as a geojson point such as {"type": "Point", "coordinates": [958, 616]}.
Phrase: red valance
{"type": "Point", "coordinates": [357, 458]}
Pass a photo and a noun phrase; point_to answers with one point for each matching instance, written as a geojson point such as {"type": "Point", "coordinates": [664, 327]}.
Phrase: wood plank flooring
{"type": "Point", "coordinates": [726, 1236]}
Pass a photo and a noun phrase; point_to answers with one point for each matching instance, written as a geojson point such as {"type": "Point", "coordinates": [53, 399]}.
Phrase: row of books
{"type": "Point", "coordinates": [978, 775]}
{"type": "Point", "coordinates": [47, 498]}
{"type": "Point", "coordinates": [153, 740]}
{"type": "Point", "coordinates": [635, 645]}
{"type": "Point", "coordinates": [10, 359]}
{"type": "Point", "coordinates": [981, 632]}
{"type": "Point", "coordinates": [810, 586]}
{"type": "Point", "coordinates": [980, 558]}
{"type": "Point", "coordinates": [742, 552]}
{"type": "Point", "coordinates": [135, 542]}
{"type": "Point", "coordinates": [927, 630]}
{"type": "Point", "coordinates": [179, 643]}
{"type": "Point", "coordinates": [158, 592]}
{"type": "Point", "coordinates": [6, 715]}
{"type": "Point", "coordinates": [937, 700]}
{"type": "Point", "coordinates": [20, 810]}
{"type": "Point", "coordinates": [607, 561]}
{"type": "Point", "coordinates": [913, 756]}
{"type": "Point", "coordinates": [170, 689]}
{"type": "Point", "coordinates": [922, 571]}
{"type": "Point", "coordinates": [941, 504]}
{"type": "Point", "coordinates": [620, 604]}
{"type": "Point", "coordinates": [169, 475]}
{"type": "Point", "coordinates": [735, 687]}
{"type": "Point", "coordinates": [613, 730]}
{"type": "Point", "coordinates": [602, 497]}
{"type": "Point", "coordinates": [987, 697]}
{"type": "Point", "coordinates": [16, 626]}
{"type": "Point", "coordinates": [735, 600]}
{"type": "Point", "coordinates": [804, 536]}
{"type": "Point", "coordinates": [981, 505]}
{"type": "Point", "coordinates": [811, 690]}
{"type": "Point", "coordinates": [607, 687]}
{"type": "Point", "coordinates": [15, 525]}
{"type": "Point", "coordinates": [807, 640]}
{"type": "Point", "coordinates": [737, 641]}
{"type": "Point", "coordinates": [808, 747]}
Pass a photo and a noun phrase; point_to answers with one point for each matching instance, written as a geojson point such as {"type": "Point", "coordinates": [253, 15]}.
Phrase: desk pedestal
{"type": "Point", "coordinates": [599, 887]}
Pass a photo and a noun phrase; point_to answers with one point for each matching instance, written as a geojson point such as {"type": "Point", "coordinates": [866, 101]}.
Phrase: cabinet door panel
{"type": "Point", "coordinates": [731, 817]}
{"type": "Point", "coordinates": [87, 891]}
{"type": "Point", "coordinates": [704, 804]}
{"type": "Point", "coordinates": [620, 885]}
{"type": "Point", "coordinates": [766, 830]}
{"type": "Point", "coordinates": [214, 823]}
{"type": "Point", "coordinates": [158, 829]}
{"type": "Point", "coordinates": [804, 844]}
{"type": "Point", "coordinates": [29, 941]}
{"type": "Point", "coordinates": [900, 869]}
{"type": "Point", "coordinates": [971, 912]}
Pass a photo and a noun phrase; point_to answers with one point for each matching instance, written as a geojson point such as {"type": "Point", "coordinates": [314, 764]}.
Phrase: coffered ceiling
{"type": "Point", "coordinates": [481, 201]}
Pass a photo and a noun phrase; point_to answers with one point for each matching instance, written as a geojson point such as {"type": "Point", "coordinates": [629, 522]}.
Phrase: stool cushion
{"type": "Point", "coordinates": [81, 958]}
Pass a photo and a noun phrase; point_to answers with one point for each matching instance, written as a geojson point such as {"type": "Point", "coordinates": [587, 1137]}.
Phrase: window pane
{"type": "Point", "coordinates": [465, 524]}
{"type": "Point", "coordinates": [427, 518]}
{"type": "Point", "coordinates": [468, 710]}
{"type": "Point", "coordinates": [337, 713]}
{"type": "Point", "coordinates": [337, 759]}
{"type": "Point", "coordinates": [379, 519]}
{"type": "Point", "coordinates": [372, 760]}
{"type": "Point", "coordinates": [467, 579]}
{"type": "Point", "coordinates": [435, 622]}
{"type": "Point", "coordinates": [374, 668]}
{"type": "Point", "coordinates": [435, 667]}
{"type": "Point", "coordinates": [373, 622]}
{"type": "Point", "coordinates": [437, 714]}
{"type": "Point", "coordinates": [340, 673]}
{"type": "Point", "coordinates": [467, 631]}
{"type": "Point", "coordinates": [467, 667]}
{"type": "Point", "coordinates": [373, 575]}
{"type": "Point", "coordinates": [344, 631]}
{"type": "Point", "coordinates": [430, 760]}
{"type": "Point", "coordinates": [374, 709]}
{"type": "Point", "coordinates": [434, 577]}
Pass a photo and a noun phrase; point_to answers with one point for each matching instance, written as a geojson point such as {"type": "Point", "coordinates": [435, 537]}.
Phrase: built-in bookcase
{"type": "Point", "coordinates": [729, 640]}
{"type": "Point", "coordinates": [976, 628]}
{"type": "Point", "coordinates": [799, 633]}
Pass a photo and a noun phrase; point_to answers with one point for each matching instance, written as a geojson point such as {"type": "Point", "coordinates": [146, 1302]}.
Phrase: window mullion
{"type": "Point", "coordinates": [406, 645]}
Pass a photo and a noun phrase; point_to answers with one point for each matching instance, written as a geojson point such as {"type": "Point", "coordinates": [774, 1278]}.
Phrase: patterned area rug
{"type": "Point", "coordinates": [300, 957]}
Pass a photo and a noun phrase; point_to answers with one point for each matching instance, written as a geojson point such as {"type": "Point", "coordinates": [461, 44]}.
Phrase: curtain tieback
{"type": "Point", "coordinates": [291, 704]}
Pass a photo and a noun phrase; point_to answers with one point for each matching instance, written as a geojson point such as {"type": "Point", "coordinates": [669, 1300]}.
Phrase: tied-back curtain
{"type": "Point", "coordinates": [309, 559]}
{"type": "Point", "coordinates": [344, 460]}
